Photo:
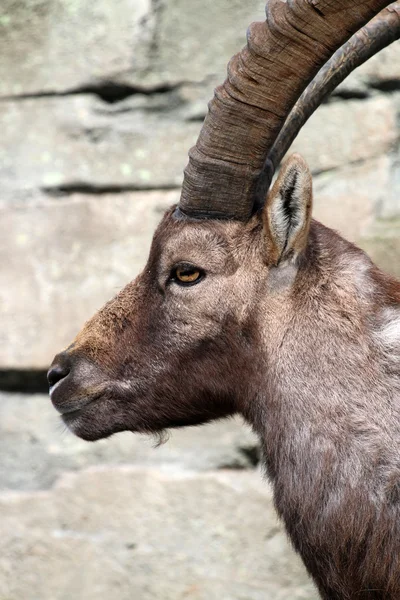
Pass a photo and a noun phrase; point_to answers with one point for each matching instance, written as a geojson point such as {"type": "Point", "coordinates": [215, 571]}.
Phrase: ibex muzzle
{"type": "Point", "coordinates": [247, 305]}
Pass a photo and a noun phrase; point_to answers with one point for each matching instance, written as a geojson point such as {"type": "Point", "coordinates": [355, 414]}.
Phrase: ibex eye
{"type": "Point", "coordinates": [187, 275]}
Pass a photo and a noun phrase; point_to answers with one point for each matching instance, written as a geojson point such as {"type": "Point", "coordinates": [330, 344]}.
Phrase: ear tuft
{"type": "Point", "coordinates": [287, 213]}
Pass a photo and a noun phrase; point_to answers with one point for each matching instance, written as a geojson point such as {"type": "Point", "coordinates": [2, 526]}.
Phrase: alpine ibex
{"type": "Point", "coordinates": [249, 306]}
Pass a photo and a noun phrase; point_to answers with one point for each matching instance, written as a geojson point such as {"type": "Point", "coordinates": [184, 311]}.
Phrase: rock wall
{"type": "Point", "coordinates": [99, 103]}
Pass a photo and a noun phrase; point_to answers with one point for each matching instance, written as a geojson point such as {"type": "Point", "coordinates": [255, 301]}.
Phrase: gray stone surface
{"type": "Point", "coordinates": [348, 132]}
{"type": "Point", "coordinates": [61, 260]}
{"type": "Point", "coordinates": [36, 448]}
{"type": "Point", "coordinates": [347, 199]}
{"type": "Point", "coordinates": [381, 71]}
{"type": "Point", "coordinates": [62, 45]}
{"type": "Point", "coordinates": [195, 40]}
{"type": "Point", "coordinates": [59, 45]}
{"type": "Point", "coordinates": [382, 242]}
{"type": "Point", "coordinates": [389, 206]}
{"type": "Point", "coordinates": [78, 139]}
{"type": "Point", "coordinates": [126, 532]}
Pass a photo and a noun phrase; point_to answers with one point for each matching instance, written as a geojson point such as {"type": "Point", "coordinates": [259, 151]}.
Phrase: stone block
{"type": "Point", "coordinates": [126, 532]}
{"type": "Point", "coordinates": [79, 141]}
{"type": "Point", "coordinates": [383, 69]}
{"type": "Point", "coordinates": [55, 45]}
{"type": "Point", "coordinates": [196, 39]}
{"type": "Point", "coordinates": [61, 260]}
{"type": "Point", "coordinates": [342, 133]}
{"type": "Point", "coordinates": [382, 242]}
{"type": "Point", "coordinates": [69, 44]}
{"type": "Point", "coordinates": [348, 199]}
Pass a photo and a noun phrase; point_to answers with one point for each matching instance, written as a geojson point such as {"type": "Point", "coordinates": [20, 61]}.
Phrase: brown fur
{"type": "Point", "coordinates": [303, 340]}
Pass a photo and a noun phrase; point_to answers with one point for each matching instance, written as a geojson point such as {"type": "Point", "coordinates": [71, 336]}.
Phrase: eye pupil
{"type": "Point", "coordinates": [187, 274]}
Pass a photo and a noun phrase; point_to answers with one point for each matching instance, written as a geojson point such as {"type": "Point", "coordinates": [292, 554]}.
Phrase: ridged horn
{"type": "Point", "coordinates": [383, 30]}
{"type": "Point", "coordinates": [282, 56]}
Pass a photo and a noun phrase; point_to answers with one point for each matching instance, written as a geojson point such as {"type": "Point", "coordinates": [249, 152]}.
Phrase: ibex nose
{"type": "Point", "coordinates": [73, 381]}
{"type": "Point", "coordinates": [59, 369]}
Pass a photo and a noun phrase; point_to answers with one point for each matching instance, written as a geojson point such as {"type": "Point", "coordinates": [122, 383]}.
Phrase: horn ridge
{"type": "Point", "coordinates": [383, 30]}
{"type": "Point", "coordinates": [249, 109]}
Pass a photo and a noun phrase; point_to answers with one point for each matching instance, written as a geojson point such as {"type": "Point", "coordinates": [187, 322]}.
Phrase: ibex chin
{"type": "Point", "coordinates": [247, 305]}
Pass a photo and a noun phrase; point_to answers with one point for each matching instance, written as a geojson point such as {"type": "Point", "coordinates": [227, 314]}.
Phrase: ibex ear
{"type": "Point", "coordinates": [287, 212]}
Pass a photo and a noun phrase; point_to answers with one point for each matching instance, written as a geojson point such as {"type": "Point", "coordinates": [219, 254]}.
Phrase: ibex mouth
{"type": "Point", "coordinates": [74, 383]}
{"type": "Point", "coordinates": [74, 417]}
{"type": "Point", "coordinates": [68, 416]}
{"type": "Point", "coordinates": [76, 404]}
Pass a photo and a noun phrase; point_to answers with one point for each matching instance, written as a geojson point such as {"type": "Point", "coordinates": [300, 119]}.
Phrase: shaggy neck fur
{"type": "Point", "coordinates": [329, 421]}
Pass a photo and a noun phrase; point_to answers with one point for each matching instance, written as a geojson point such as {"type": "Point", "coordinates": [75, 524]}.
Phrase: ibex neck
{"type": "Point", "coordinates": [330, 406]}
{"type": "Point", "coordinates": [332, 343]}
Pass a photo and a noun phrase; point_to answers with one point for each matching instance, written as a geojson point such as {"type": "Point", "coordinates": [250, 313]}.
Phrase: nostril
{"type": "Point", "coordinates": [56, 373]}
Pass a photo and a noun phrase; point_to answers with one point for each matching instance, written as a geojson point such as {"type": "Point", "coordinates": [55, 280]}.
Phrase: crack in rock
{"type": "Point", "coordinates": [108, 91]}
{"type": "Point", "coordinates": [82, 187]}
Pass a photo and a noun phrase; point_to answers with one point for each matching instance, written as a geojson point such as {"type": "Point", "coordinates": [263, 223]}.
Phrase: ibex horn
{"type": "Point", "coordinates": [282, 56]}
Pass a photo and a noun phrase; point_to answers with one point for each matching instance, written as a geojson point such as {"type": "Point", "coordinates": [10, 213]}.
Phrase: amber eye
{"type": "Point", "coordinates": [187, 274]}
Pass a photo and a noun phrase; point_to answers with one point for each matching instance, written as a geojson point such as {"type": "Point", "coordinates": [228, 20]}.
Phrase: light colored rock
{"type": "Point", "coordinates": [361, 202]}
{"type": "Point", "coordinates": [349, 198]}
{"type": "Point", "coordinates": [381, 72]}
{"type": "Point", "coordinates": [61, 260]}
{"type": "Point", "coordinates": [126, 533]}
{"type": "Point", "coordinates": [342, 133]}
{"type": "Point", "coordinates": [196, 39]}
{"type": "Point", "coordinates": [383, 67]}
{"type": "Point", "coordinates": [35, 447]}
{"type": "Point", "coordinates": [59, 45]}
{"type": "Point", "coordinates": [77, 139]}
{"type": "Point", "coordinates": [389, 207]}
{"type": "Point", "coordinates": [382, 242]}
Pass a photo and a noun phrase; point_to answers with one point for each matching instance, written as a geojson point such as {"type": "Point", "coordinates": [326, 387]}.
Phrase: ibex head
{"type": "Point", "coordinates": [180, 345]}
{"type": "Point", "coordinates": [185, 342]}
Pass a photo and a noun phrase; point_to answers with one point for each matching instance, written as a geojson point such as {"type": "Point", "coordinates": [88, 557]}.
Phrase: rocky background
{"type": "Point", "coordinates": [99, 103]}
